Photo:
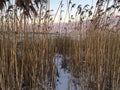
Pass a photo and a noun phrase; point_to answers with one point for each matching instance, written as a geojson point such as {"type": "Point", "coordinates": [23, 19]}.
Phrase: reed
{"type": "Point", "coordinates": [28, 58]}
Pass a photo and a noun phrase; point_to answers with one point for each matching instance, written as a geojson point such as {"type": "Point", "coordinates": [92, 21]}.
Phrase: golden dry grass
{"type": "Point", "coordinates": [31, 62]}
{"type": "Point", "coordinates": [27, 60]}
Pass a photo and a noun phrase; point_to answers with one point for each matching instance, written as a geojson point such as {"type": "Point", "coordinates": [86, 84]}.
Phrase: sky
{"type": "Point", "coordinates": [55, 3]}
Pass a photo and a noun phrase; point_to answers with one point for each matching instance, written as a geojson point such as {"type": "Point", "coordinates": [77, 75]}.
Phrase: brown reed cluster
{"type": "Point", "coordinates": [28, 58]}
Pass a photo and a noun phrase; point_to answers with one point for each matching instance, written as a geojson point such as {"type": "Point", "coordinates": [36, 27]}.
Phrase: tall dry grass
{"type": "Point", "coordinates": [27, 59]}
{"type": "Point", "coordinates": [94, 60]}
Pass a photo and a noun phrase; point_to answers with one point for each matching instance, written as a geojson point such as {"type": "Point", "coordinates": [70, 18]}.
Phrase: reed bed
{"type": "Point", "coordinates": [28, 58]}
{"type": "Point", "coordinates": [30, 64]}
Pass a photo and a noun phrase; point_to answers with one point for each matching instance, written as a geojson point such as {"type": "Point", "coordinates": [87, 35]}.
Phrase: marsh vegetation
{"type": "Point", "coordinates": [31, 58]}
